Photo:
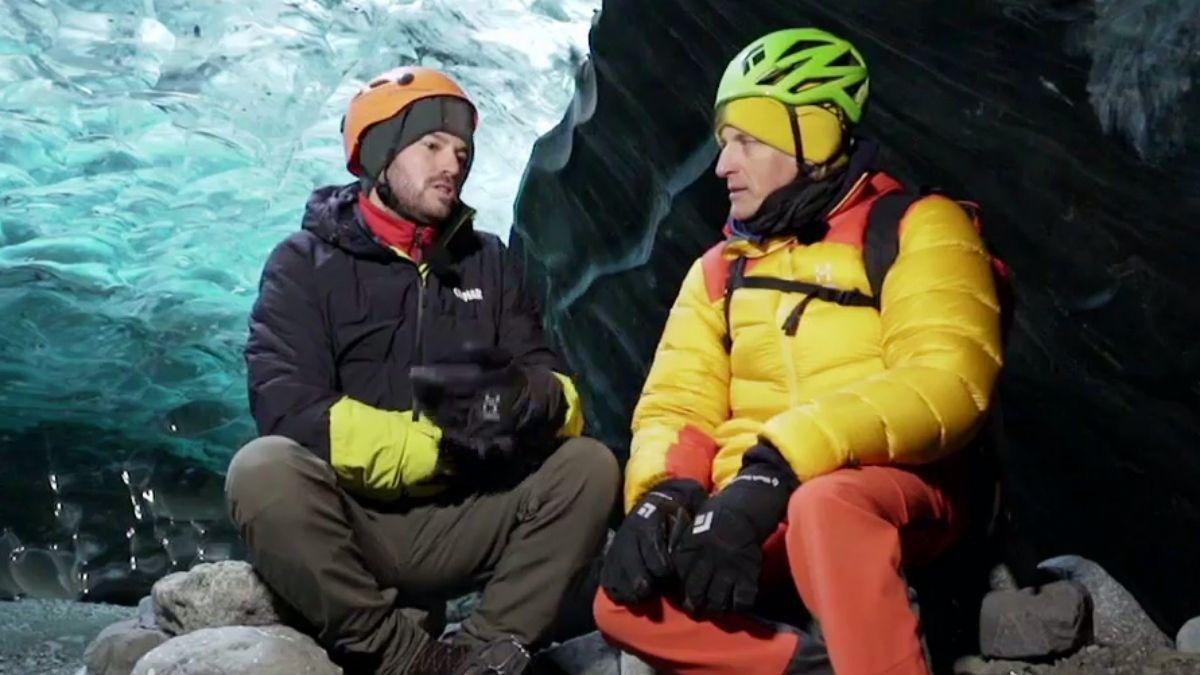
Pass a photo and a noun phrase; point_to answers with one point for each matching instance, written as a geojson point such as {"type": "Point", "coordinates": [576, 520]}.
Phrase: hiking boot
{"type": "Point", "coordinates": [438, 658]}
{"type": "Point", "coordinates": [503, 656]}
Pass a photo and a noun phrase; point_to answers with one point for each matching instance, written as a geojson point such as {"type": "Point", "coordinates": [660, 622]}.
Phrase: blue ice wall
{"type": "Point", "coordinates": [151, 154]}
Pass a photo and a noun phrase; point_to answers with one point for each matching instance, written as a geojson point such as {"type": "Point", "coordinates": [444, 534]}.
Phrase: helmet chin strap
{"type": "Point", "coordinates": [794, 120]}
{"type": "Point", "coordinates": [384, 189]}
{"type": "Point", "coordinates": [804, 174]}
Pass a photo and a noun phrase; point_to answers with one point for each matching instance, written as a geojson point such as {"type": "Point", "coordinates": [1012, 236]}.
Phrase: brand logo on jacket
{"type": "Point", "coordinates": [469, 294]}
{"type": "Point", "coordinates": [824, 274]}
{"type": "Point", "coordinates": [703, 523]}
{"type": "Point", "coordinates": [491, 407]}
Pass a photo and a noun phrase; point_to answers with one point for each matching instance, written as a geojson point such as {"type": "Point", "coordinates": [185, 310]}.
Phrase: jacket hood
{"type": "Point", "coordinates": [332, 215]}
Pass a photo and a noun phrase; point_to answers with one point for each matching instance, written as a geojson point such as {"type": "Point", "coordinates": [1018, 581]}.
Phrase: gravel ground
{"type": "Point", "coordinates": [1093, 660]}
{"type": "Point", "coordinates": [47, 637]}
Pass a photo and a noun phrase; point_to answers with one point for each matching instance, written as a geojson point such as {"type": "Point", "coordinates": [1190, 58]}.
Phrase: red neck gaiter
{"type": "Point", "coordinates": [394, 231]}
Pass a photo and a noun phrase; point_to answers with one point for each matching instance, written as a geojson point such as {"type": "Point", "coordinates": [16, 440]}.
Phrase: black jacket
{"type": "Point", "coordinates": [341, 318]}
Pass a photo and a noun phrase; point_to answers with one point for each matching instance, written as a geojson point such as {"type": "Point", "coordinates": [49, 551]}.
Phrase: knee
{"type": "Point", "coordinates": [822, 494]}
{"type": "Point", "coordinates": [615, 622]}
{"type": "Point", "coordinates": [264, 468]}
{"type": "Point", "coordinates": [586, 469]}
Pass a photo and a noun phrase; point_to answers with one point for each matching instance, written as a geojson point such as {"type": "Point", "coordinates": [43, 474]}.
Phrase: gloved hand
{"type": "Point", "coordinates": [638, 559]}
{"type": "Point", "coordinates": [719, 557]}
{"type": "Point", "coordinates": [478, 396]}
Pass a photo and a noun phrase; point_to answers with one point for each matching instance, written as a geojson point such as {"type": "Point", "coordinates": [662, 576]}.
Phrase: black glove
{"type": "Point", "coordinates": [638, 559]}
{"type": "Point", "coordinates": [720, 557]}
{"type": "Point", "coordinates": [477, 396]}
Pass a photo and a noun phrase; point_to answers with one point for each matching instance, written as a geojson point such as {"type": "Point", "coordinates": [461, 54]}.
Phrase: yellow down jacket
{"type": "Point", "coordinates": [908, 383]}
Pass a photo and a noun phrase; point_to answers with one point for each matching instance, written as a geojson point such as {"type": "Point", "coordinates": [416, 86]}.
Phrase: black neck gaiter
{"type": "Point", "coordinates": [800, 207]}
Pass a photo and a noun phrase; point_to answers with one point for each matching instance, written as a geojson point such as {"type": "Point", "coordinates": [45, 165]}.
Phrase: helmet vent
{"type": "Point", "coordinates": [771, 77]}
{"type": "Point", "coordinates": [756, 57]}
{"type": "Point", "coordinates": [845, 60]}
{"type": "Point", "coordinates": [809, 83]}
{"type": "Point", "coordinates": [800, 46]}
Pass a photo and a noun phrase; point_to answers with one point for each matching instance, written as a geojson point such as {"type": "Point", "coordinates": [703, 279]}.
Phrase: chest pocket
{"type": "Point", "coordinates": [456, 314]}
{"type": "Point", "coordinates": [373, 321]}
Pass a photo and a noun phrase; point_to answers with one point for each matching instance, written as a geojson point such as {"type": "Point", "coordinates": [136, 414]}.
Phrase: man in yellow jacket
{"type": "Point", "coordinates": [798, 424]}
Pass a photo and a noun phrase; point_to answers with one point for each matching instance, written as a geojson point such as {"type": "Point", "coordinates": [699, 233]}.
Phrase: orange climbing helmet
{"type": "Point", "coordinates": [385, 99]}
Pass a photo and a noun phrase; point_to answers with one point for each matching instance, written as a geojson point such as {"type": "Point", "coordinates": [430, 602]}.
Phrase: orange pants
{"type": "Point", "coordinates": [848, 536]}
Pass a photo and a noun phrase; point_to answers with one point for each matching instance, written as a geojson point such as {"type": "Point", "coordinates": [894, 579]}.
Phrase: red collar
{"type": "Point", "coordinates": [394, 231]}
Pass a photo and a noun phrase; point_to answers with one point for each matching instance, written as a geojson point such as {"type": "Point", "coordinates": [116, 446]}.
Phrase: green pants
{"type": "Point", "coordinates": [349, 567]}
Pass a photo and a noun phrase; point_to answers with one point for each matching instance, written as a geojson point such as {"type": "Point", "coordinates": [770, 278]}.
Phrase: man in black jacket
{"type": "Point", "coordinates": [419, 438]}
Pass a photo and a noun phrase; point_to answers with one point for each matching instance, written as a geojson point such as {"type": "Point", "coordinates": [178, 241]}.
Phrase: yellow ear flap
{"type": "Point", "coordinates": [821, 132]}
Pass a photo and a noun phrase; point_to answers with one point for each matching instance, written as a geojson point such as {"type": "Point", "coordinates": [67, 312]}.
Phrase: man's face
{"type": "Point", "coordinates": [427, 175]}
{"type": "Point", "coordinates": [752, 170]}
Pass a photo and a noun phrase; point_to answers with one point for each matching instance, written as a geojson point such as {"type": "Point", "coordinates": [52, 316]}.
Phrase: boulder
{"type": "Point", "coordinates": [213, 595]}
{"type": "Point", "coordinates": [1035, 623]}
{"type": "Point", "coordinates": [262, 650]}
{"type": "Point", "coordinates": [119, 647]}
{"type": "Point", "coordinates": [1117, 617]}
{"type": "Point", "coordinates": [1188, 639]}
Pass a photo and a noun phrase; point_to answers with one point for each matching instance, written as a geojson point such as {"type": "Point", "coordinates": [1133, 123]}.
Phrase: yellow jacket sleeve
{"type": "Point", "coordinates": [381, 454]}
{"type": "Point", "coordinates": [941, 352]}
{"type": "Point", "coordinates": [573, 420]}
{"type": "Point", "coordinates": [685, 397]}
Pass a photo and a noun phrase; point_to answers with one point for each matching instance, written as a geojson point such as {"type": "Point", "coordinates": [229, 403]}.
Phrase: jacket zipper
{"type": "Point", "coordinates": [422, 273]}
{"type": "Point", "coordinates": [418, 357]}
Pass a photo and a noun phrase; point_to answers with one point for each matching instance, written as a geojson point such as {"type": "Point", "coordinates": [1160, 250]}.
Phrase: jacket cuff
{"type": "Point", "coordinates": [551, 405]}
{"type": "Point", "coordinates": [765, 459]}
{"type": "Point", "coordinates": [380, 454]}
{"type": "Point", "coordinates": [690, 493]}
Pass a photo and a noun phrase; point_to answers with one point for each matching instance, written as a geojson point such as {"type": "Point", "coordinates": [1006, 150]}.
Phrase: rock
{"type": "Point", "coordinates": [1188, 639]}
{"type": "Point", "coordinates": [118, 648]}
{"type": "Point", "coordinates": [1127, 660]}
{"type": "Point", "coordinates": [970, 665]}
{"type": "Point", "coordinates": [145, 613]}
{"type": "Point", "coordinates": [585, 655]}
{"type": "Point", "coordinates": [974, 665]}
{"type": "Point", "coordinates": [1118, 619]}
{"type": "Point", "coordinates": [632, 665]}
{"type": "Point", "coordinates": [213, 595]}
{"type": "Point", "coordinates": [1001, 579]}
{"type": "Point", "coordinates": [1031, 623]}
{"type": "Point", "coordinates": [262, 650]}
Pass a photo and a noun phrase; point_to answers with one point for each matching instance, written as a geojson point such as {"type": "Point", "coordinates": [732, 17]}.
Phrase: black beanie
{"type": "Point", "coordinates": [385, 140]}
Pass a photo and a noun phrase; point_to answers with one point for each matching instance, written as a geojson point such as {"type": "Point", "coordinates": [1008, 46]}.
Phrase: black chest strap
{"type": "Point", "coordinates": [737, 279]}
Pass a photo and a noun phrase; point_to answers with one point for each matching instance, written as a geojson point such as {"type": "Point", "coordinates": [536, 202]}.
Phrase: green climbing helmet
{"type": "Point", "coordinates": [799, 66]}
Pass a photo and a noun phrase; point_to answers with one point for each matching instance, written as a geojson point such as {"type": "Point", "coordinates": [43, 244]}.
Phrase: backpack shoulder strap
{"type": "Point", "coordinates": [881, 241]}
{"type": "Point", "coordinates": [721, 278]}
{"type": "Point", "coordinates": [733, 281]}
